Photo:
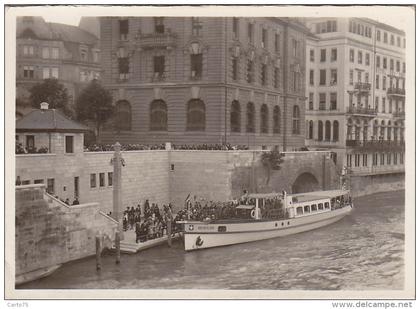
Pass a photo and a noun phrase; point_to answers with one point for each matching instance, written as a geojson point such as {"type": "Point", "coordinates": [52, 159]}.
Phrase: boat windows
{"type": "Point", "coordinates": [299, 211]}
{"type": "Point", "coordinates": [307, 209]}
{"type": "Point", "coordinates": [313, 207]}
{"type": "Point", "coordinates": [221, 228]}
{"type": "Point", "coordinates": [327, 205]}
{"type": "Point", "coordinates": [320, 206]}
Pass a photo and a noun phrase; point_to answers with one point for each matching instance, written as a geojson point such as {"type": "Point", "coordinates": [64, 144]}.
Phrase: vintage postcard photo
{"type": "Point", "coordinates": [207, 152]}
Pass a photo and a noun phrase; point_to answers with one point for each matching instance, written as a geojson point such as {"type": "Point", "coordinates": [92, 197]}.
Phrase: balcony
{"type": "Point", "coordinates": [361, 111]}
{"type": "Point", "coordinates": [400, 115]}
{"type": "Point", "coordinates": [398, 92]}
{"type": "Point", "coordinates": [376, 145]}
{"type": "Point", "coordinates": [157, 40]}
{"type": "Point", "coordinates": [362, 88]}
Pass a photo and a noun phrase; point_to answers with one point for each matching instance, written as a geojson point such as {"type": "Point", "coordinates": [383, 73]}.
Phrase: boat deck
{"type": "Point", "coordinates": [129, 245]}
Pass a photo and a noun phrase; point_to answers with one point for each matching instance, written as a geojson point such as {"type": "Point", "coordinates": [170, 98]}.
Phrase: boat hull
{"type": "Point", "coordinates": [202, 235]}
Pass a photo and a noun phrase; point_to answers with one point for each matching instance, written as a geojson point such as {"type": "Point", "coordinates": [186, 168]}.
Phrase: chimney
{"type": "Point", "coordinates": [44, 105]}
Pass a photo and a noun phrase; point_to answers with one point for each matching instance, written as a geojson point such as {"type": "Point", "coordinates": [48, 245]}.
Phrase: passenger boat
{"type": "Point", "coordinates": [265, 216]}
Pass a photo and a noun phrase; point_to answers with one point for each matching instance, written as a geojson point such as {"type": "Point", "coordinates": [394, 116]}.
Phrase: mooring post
{"type": "Point", "coordinates": [117, 197]}
{"type": "Point", "coordinates": [117, 247]}
{"type": "Point", "coordinates": [169, 231]}
{"type": "Point", "coordinates": [98, 252]}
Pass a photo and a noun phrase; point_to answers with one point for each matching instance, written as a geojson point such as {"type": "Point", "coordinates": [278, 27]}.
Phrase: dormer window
{"type": "Point", "coordinates": [83, 54]}
{"type": "Point", "coordinates": [159, 26]}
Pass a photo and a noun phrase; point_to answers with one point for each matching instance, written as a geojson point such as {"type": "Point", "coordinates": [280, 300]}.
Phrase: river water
{"type": "Point", "coordinates": [364, 250]}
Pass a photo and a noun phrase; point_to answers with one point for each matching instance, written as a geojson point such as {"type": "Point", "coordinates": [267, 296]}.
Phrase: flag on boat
{"type": "Point", "coordinates": [188, 199]}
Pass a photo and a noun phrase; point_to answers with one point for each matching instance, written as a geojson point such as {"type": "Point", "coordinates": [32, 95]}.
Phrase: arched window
{"type": "Point", "coordinates": [336, 128]}
{"type": "Point", "coordinates": [235, 117]}
{"type": "Point", "coordinates": [350, 129]}
{"type": "Point", "coordinates": [311, 129]}
{"type": "Point", "coordinates": [296, 120]}
{"type": "Point", "coordinates": [395, 130]}
{"type": "Point", "coordinates": [264, 118]}
{"type": "Point", "coordinates": [250, 118]}
{"type": "Point", "coordinates": [276, 119]}
{"type": "Point", "coordinates": [375, 129]}
{"type": "Point", "coordinates": [382, 133]}
{"type": "Point", "coordinates": [365, 130]}
{"type": "Point", "coordinates": [123, 116]}
{"type": "Point", "coordinates": [327, 130]}
{"type": "Point", "coordinates": [357, 130]}
{"type": "Point", "coordinates": [196, 115]}
{"type": "Point", "coordinates": [389, 129]}
{"type": "Point", "coordinates": [320, 130]}
{"type": "Point", "coordinates": [158, 116]}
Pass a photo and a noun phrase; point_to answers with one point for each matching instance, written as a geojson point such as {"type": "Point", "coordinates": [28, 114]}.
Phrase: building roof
{"type": "Point", "coordinates": [383, 26]}
{"type": "Point", "coordinates": [36, 27]}
{"type": "Point", "coordinates": [48, 120]}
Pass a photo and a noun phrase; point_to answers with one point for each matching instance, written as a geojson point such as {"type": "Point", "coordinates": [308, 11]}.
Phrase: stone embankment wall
{"type": "Point", "coordinates": [168, 176]}
{"type": "Point", "coordinates": [48, 232]}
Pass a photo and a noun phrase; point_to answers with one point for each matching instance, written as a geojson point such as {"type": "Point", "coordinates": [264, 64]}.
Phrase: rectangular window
{"type": "Point", "coordinates": [377, 82]}
{"type": "Point", "coordinates": [311, 77]}
{"type": "Point", "coordinates": [333, 101]}
{"type": "Point", "coordinates": [385, 37]}
{"type": "Point", "coordinates": [264, 38]}
{"type": "Point", "coordinates": [390, 106]}
{"type": "Point", "coordinates": [263, 74]}
{"type": "Point", "coordinates": [110, 175]}
{"type": "Point", "coordinates": [277, 43]}
{"type": "Point", "coordinates": [403, 67]}
{"type": "Point", "coordinates": [378, 35]}
{"type": "Point", "coordinates": [378, 61]}
{"type": "Point", "coordinates": [54, 72]}
{"type": "Point", "coordinates": [357, 160]}
{"type": "Point", "coordinates": [312, 55]}
{"type": "Point", "coordinates": [250, 71]}
{"type": "Point", "coordinates": [295, 44]}
{"type": "Point", "coordinates": [391, 64]}
{"type": "Point", "coordinates": [45, 73]}
{"type": "Point", "coordinates": [403, 43]}
{"type": "Point", "coordinates": [402, 158]}
{"type": "Point", "coordinates": [28, 72]}
{"type": "Point", "coordinates": [333, 77]}
{"type": "Point", "coordinates": [76, 187]}
{"type": "Point", "coordinates": [351, 55]}
{"type": "Point", "coordinates": [322, 77]}
{"type": "Point", "coordinates": [235, 68]}
{"type": "Point", "coordinates": [384, 83]}
{"type": "Point", "coordinates": [395, 158]}
{"type": "Point", "coordinates": [101, 179]}
{"type": "Point", "coordinates": [375, 159]}
{"type": "Point", "coordinates": [382, 158]}
{"type": "Point", "coordinates": [333, 54]}
{"type": "Point", "coordinates": [359, 76]}
{"type": "Point", "coordinates": [349, 159]}
{"type": "Point", "coordinates": [123, 27]}
{"type": "Point", "coordinates": [28, 50]}
{"type": "Point", "coordinates": [364, 158]}
{"type": "Point", "coordinates": [197, 26]}
{"type": "Point", "coordinates": [69, 144]}
{"type": "Point", "coordinates": [38, 181]}
{"type": "Point", "coordinates": [83, 55]}
{"type": "Point", "coordinates": [322, 101]}
{"type": "Point", "coordinates": [392, 39]}
{"type": "Point", "coordinates": [359, 57]}
{"type": "Point", "coordinates": [388, 158]}
{"type": "Point", "coordinates": [366, 77]}
{"type": "Point", "coordinates": [123, 67]}
{"type": "Point", "coordinates": [323, 55]}
{"type": "Point", "coordinates": [45, 52]}
{"type": "Point", "coordinates": [30, 142]}
{"type": "Point", "coordinates": [93, 180]}
{"type": "Point", "coordinates": [384, 63]}
{"type": "Point", "coordinates": [159, 25]}
{"type": "Point", "coordinates": [351, 77]}
{"type": "Point", "coordinates": [397, 66]}
{"type": "Point", "coordinates": [367, 59]}
{"type": "Point", "coordinates": [158, 67]}
{"type": "Point", "coordinates": [55, 53]}
{"type": "Point", "coordinates": [51, 185]}
{"type": "Point", "coordinates": [196, 66]}
{"type": "Point", "coordinates": [95, 56]}
{"type": "Point", "coordinates": [311, 101]}
{"type": "Point", "coordinates": [250, 33]}
{"type": "Point", "coordinates": [383, 105]}
{"type": "Point", "coordinates": [235, 27]}
{"type": "Point", "coordinates": [276, 78]}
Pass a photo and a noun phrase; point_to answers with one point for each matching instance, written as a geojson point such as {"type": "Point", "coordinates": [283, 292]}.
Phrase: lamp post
{"type": "Point", "coordinates": [117, 162]}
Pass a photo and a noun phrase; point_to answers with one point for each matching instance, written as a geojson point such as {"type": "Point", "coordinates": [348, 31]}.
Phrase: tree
{"type": "Point", "coordinates": [52, 92]}
{"type": "Point", "coordinates": [272, 161]}
{"type": "Point", "coordinates": [94, 104]}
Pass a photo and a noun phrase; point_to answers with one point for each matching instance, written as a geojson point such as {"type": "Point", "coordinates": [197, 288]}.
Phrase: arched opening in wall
{"type": "Point", "coordinates": [276, 119]}
{"type": "Point", "coordinates": [196, 115]}
{"type": "Point", "coordinates": [250, 118]}
{"type": "Point", "coordinates": [235, 117]}
{"type": "Point", "coordinates": [158, 116]}
{"type": "Point", "coordinates": [123, 116]}
{"type": "Point", "coordinates": [264, 118]}
{"type": "Point", "coordinates": [305, 182]}
{"type": "Point", "coordinates": [311, 129]}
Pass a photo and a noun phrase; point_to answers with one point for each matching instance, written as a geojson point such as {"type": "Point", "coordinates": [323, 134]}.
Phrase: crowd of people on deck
{"type": "Point", "coordinates": [210, 147]}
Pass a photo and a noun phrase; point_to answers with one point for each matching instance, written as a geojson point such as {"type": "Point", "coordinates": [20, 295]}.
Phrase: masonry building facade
{"type": "Point", "coordinates": [53, 50]}
{"type": "Point", "coordinates": [356, 93]}
{"type": "Point", "coordinates": [205, 80]}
